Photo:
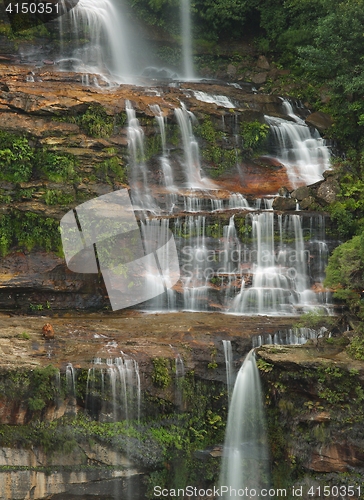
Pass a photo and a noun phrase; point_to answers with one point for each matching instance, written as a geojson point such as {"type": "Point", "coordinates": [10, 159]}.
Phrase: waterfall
{"type": "Point", "coordinates": [180, 374]}
{"type": "Point", "coordinates": [280, 279]}
{"type": "Point", "coordinates": [245, 462]}
{"type": "Point", "coordinates": [71, 380]}
{"type": "Point", "coordinates": [191, 164]}
{"type": "Point", "coordinates": [228, 354]}
{"type": "Point", "coordinates": [113, 389]}
{"type": "Point", "coordinates": [140, 191]}
{"type": "Point", "coordinates": [219, 100]}
{"type": "Point", "coordinates": [299, 148]}
{"type": "Point", "coordinates": [109, 45]}
{"type": "Point", "coordinates": [164, 159]}
{"type": "Point", "coordinates": [289, 336]}
{"type": "Point", "coordinates": [185, 7]}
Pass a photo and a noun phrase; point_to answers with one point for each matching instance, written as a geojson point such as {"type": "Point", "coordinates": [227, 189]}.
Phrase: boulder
{"type": "Point", "coordinates": [319, 120]}
{"type": "Point", "coordinates": [231, 70]}
{"type": "Point", "coordinates": [328, 190]}
{"type": "Point", "coordinates": [263, 63]}
{"type": "Point", "coordinates": [281, 203]}
{"type": "Point", "coordinates": [301, 193]}
{"type": "Point", "coordinates": [260, 78]}
{"type": "Point", "coordinates": [308, 203]}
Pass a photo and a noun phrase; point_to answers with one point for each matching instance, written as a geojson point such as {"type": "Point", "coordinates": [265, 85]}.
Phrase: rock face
{"type": "Point", "coordinates": [309, 388]}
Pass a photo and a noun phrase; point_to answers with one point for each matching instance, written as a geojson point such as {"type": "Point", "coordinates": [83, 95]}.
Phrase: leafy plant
{"type": "Point", "coordinates": [254, 135]}
{"type": "Point", "coordinates": [96, 122]}
{"type": "Point", "coordinates": [16, 158]}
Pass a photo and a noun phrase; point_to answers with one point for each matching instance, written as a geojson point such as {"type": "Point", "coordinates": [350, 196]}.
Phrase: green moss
{"type": "Point", "coordinates": [161, 376]}
{"type": "Point", "coordinates": [27, 230]}
{"type": "Point", "coordinates": [112, 167]}
{"type": "Point", "coordinates": [16, 158]}
{"type": "Point", "coordinates": [56, 167]}
{"type": "Point", "coordinates": [254, 135]}
{"type": "Point", "coordinates": [58, 197]}
{"type": "Point", "coordinates": [96, 122]}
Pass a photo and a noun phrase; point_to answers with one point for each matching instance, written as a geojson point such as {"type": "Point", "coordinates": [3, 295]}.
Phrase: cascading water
{"type": "Point", "coordinates": [164, 159]}
{"type": "Point", "coordinates": [113, 389]}
{"type": "Point", "coordinates": [191, 164]}
{"type": "Point", "coordinates": [245, 462]}
{"type": "Point", "coordinates": [185, 7]}
{"type": "Point", "coordinates": [140, 191]}
{"type": "Point", "coordinates": [108, 46]}
{"type": "Point", "coordinates": [290, 336]}
{"type": "Point", "coordinates": [280, 281]}
{"type": "Point", "coordinates": [228, 354]}
{"type": "Point", "coordinates": [299, 148]}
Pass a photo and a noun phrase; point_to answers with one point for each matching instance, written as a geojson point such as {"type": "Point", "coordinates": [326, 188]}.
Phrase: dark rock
{"type": "Point", "coordinates": [281, 203]}
{"type": "Point", "coordinates": [231, 70]}
{"type": "Point", "coordinates": [308, 203]}
{"type": "Point", "coordinates": [320, 120]}
{"type": "Point", "coordinates": [301, 193]}
{"type": "Point", "coordinates": [329, 190]}
{"type": "Point", "coordinates": [260, 78]}
{"type": "Point", "coordinates": [263, 63]}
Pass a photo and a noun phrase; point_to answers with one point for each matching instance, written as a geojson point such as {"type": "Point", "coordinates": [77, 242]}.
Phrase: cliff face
{"type": "Point", "coordinates": [315, 414]}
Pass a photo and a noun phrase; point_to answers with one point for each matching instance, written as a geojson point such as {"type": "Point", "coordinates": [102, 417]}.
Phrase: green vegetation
{"type": "Point", "coordinates": [254, 135]}
{"type": "Point", "coordinates": [161, 376]}
{"type": "Point", "coordinates": [16, 158]}
{"type": "Point", "coordinates": [219, 157]}
{"type": "Point", "coordinates": [96, 122]}
{"type": "Point", "coordinates": [27, 230]}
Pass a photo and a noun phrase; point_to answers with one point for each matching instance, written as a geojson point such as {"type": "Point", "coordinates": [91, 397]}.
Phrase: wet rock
{"type": "Point", "coordinates": [281, 203]}
{"type": "Point", "coordinates": [320, 120]}
{"type": "Point", "coordinates": [301, 193]}
{"type": "Point", "coordinates": [328, 190]}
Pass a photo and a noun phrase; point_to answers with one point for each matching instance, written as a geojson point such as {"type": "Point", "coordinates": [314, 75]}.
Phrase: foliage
{"type": "Point", "coordinates": [112, 167]}
{"type": "Point", "coordinates": [315, 320]}
{"type": "Point", "coordinates": [16, 158]}
{"type": "Point", "coordinates": [58, 197]}
{"type": "Point", "coordinates": [55, 166]}
{"type": "Point", "coordinates": [345, 273]}
{"type": "Point", "coordinates": [27, 230]}
{"type": "Point", "coordinates": [96, 122]}
{"type": "Point", "coordinates": [254, 135]}
{"type": "Point", "coordinates": [219, 157]}
{"type": "Point", "coordinates": [161, 377]}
